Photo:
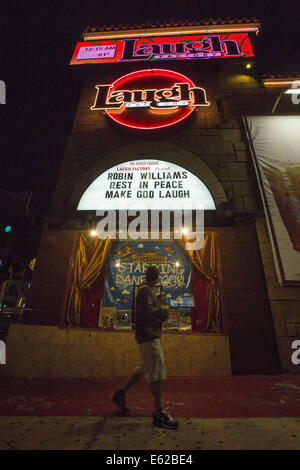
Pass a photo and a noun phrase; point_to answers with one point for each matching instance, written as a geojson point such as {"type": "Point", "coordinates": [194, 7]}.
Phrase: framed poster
{"type": "Point", "coordinates": [173, 319]}
{"type": "Point", "coordinates": [185, 320]}
{"type": "Point", "coordinates": [107, 318]}
{"type": "Point", "coordinates": [123, 319]}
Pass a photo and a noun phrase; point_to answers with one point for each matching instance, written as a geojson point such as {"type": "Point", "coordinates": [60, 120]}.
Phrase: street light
{"type": "Point", "coordinates": [286, 91]}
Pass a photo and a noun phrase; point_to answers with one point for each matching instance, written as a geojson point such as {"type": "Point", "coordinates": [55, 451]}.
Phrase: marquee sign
{"type": "Point", "coordinates": [147, 185]}
{"type": "Point", "coordinates": [149, 99]}
{"type": "Point", "coordinates": [185, 47]}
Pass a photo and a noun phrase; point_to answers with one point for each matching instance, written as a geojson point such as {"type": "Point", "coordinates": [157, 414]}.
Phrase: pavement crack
{"type": "Point", "coordinates": [94, 438]}
{"type": "Point", "coordinates": [8, 444]}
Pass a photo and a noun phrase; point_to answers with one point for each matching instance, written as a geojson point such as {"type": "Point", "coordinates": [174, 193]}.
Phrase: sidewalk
{"type": "Point", "coordinates": [249, 412]}
{"type": "Point", "coordinates": [132, 433]}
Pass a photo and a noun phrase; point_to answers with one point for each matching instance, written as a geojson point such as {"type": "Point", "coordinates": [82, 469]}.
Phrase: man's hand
{"type": "Point", "coordinates": [165, 312]}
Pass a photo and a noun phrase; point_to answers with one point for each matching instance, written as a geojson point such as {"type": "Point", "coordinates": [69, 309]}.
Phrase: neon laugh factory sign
{"type": "Point", "coordinates": [149, 99]}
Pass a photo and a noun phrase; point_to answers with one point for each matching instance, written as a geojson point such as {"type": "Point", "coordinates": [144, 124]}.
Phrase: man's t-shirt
{"type": "Point", "coordinates": [149, 315]}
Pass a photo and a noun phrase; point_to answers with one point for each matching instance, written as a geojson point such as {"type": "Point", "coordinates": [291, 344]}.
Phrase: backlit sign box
{"type": "Point", "coordinates": [146, 185]}
{"type": "Point", "coordinates": [187, 47]}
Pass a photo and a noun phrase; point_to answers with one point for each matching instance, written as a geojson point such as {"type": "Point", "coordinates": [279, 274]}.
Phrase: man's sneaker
{"type": "Point", "coordinates": [163, 419]}
{"type": "Point", "coordinates": [118, 398]}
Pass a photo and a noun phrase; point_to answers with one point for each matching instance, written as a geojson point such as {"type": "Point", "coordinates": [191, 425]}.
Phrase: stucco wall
{"type": "Point", "coordinates": [45, 351]}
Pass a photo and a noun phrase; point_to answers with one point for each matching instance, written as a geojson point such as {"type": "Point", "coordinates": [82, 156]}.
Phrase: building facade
{"type": "Point", "coordinates": [183, 112]}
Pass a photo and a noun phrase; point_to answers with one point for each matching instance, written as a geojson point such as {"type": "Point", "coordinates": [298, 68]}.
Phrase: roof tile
{"type": "Point", "coordinates": [171, 23]}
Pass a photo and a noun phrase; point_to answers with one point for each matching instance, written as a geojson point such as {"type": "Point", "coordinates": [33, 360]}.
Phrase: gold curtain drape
{"type": "Point", "coordinates": [90, 260]}
{"type": "Point", "coordinates": [205, 260]}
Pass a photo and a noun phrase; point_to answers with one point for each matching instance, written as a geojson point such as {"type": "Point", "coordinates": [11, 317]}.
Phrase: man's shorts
{"type": "Point", "coordinates": [152, 361]}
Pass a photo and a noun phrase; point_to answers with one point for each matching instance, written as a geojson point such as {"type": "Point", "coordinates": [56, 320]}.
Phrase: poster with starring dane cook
{"type": "Point", "coordinates": [126, 268]}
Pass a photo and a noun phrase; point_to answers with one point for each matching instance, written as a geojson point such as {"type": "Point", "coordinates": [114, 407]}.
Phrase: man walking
{"type": "Point", "coordinates": [149, 315]}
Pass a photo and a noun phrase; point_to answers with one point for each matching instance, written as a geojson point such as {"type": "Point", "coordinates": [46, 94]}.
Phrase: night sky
{"type": "Point", "coordinates": [43, 90]}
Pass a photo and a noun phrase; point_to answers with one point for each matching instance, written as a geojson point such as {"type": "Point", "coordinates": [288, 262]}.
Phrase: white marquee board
{"type": "Point", "coordinates": [147, 185]}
